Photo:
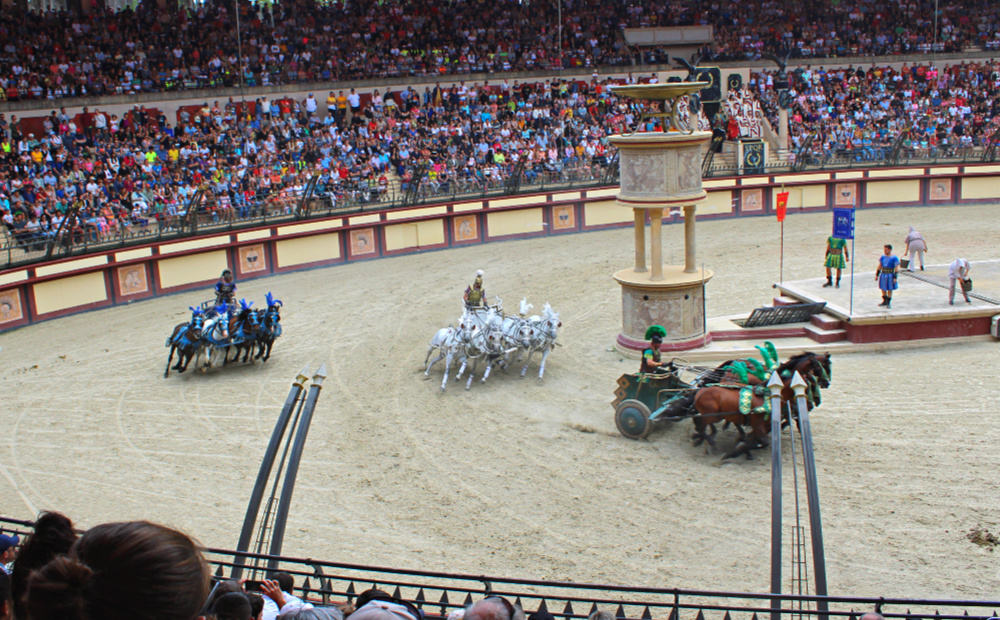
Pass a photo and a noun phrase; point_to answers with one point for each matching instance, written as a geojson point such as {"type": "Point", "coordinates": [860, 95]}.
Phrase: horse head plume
{"type": "Point", "coordinates": [770, 349]}
{"type": "Point", "coordinates": [222, 308]}
{"type": "Point", "coordinates": [195, 311]}
{"type": "Point", "coordinates": [769, 362]}
{"type": "Point", "coordinates": [245, 304]}
{"type": "Point", "coordinates": [740, 370]}
{"type": "Point", "coordinates": [525, 307]}
{"type": "Point", "coordinates": [271, 301]}
{"type": "Point", "coordinates": [756, 368]}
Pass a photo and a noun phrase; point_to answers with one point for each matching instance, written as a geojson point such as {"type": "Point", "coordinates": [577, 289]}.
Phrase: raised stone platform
{"type": "Point", "coordinates": [920, 315]}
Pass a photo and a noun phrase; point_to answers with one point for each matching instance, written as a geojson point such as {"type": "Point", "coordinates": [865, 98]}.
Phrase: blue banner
{"type": "Point", "coordinates": [843, 223]}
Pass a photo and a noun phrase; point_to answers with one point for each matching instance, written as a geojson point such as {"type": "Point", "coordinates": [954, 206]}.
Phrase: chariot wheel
{"type": "Point", "coordinates": [632, 419]}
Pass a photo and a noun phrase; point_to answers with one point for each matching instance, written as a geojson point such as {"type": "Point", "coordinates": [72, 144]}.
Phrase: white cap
{"type": "Point", "coordinates": [479, 273]}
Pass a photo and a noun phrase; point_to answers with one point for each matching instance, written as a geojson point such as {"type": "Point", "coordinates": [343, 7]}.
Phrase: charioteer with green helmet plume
{"type": "Point", "coordinates": [651, 355]}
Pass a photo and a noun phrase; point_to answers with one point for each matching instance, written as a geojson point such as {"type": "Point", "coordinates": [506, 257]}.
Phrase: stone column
{"type": "Point", "coordinates": [640, 240]}
{"type": "Point", "coordinates": [656, 243]}
{"type": "Point", "coordinates": [689, 248]}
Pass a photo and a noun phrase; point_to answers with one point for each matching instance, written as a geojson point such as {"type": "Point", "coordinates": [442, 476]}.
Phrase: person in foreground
{"type": "Point", "coordinates": [120, 571]}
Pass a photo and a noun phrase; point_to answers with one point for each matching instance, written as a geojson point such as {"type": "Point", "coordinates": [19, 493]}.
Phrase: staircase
{"type": "Point", "coordinates": [824, 328]}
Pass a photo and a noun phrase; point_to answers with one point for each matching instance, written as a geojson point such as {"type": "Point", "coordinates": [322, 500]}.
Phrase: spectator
{"type": "Point", "coordinates": [494, 608]}
{"type": "Point", "coordinates": [232, 606]}
{"type": "Point", "coordinates": [6, 604]}
{"type": "Point", "coordinates": [8, 549]}
{"type": "Point", "coordinates": [51, 536]}
{"type": "Point", "coordinates": [122, 571]}
{"type": "Point", "coordinates": [277, 596]}
{"type": "Point", "coordinates": [377, 605]}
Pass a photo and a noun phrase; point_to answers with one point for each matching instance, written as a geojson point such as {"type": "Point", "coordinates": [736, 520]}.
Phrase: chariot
{"type": "Point", "coordinates": [644, 401]}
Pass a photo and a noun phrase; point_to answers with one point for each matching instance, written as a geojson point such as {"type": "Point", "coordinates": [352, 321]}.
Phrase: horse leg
{"type": "Point", "coordinates": [441, 356]}
{"type": "Point", "coordinates": [527, 360]}
{"type": "Point", "coordinates": [489, 367]}
{"type": "Point", "coordinates": [472, 373]}
{"type": "Point", "coordinates": [541, 364]}
{"type": "Point", "coordinates": [447, 367]}
{"type": "Point", "coordinates": [184, 358]}
{"type": "Point", "coordinates": [170, 356]}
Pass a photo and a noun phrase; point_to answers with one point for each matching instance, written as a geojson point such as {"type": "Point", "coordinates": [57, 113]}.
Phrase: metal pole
{"type": "Point", "coordinates": [284, 504]}
{"type": "Point", "coordinates": [850, 311]}
{"type": "Point", "coordinates": [775, 386]}
{"type": "Point", "coordinates": [812, 492]}
{"type": "Point", "coordinates": [253, 507]}
{"type": "Point", "coordinates": [781, 260]}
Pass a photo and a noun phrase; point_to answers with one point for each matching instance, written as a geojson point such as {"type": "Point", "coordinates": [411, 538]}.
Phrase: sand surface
{"type": "Point", "coordinates": [516, 477]}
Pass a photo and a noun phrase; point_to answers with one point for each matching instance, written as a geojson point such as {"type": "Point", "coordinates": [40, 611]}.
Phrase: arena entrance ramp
{"type": "Point", "coordinates": [264, 523]}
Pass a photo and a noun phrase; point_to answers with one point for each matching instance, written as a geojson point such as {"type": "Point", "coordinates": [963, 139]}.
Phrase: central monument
{"type": "Point", "coordinates": [662, 170]}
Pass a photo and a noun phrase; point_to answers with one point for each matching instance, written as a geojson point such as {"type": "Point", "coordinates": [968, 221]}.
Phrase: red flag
{"type": "Point", "coordinates": [781, 206]}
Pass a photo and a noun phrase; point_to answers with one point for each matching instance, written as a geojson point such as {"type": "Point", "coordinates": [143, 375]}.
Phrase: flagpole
{"type": "Point", "coordinates": [781, 261]}
{"type": "Point", "coordinates": [850, 311]}
{"type": "Point", "coordinates": [780, 206]}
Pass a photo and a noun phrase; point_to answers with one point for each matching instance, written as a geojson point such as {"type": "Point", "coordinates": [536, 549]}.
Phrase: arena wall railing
{"type": "Point", "coordinates": [438, 593]}
{"type": "Point", "coordinates": [49, 289]}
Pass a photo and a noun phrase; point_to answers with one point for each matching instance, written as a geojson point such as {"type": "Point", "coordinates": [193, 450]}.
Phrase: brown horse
{"type": "Point", "coordinates": [718, 403]}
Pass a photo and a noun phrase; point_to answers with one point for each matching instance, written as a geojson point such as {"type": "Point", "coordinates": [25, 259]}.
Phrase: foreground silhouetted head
{"type": "Point", "coordinates": [120, 571]}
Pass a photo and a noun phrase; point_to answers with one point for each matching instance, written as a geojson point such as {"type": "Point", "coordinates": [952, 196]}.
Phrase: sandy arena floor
{"type": "Point", "coordinates": [515, 477]}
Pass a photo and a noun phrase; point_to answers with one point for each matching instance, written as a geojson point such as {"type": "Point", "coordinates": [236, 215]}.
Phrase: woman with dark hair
{"type": "Point", "coordinates": [53, 535]}
{"type": "Point", "coordinates": [122, 571]}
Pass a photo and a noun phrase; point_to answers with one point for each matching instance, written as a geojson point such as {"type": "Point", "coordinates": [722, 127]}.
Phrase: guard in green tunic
{"type": "Point", "coordinates": [836, 258]}
{"type": "Point", "coordinates": [475, 295]}
{"type": "Point", "coordinates": [651, 354]}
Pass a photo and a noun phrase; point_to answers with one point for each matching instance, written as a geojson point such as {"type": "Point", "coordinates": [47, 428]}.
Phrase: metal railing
{"type": "Point", "coordinates": [438, 593]}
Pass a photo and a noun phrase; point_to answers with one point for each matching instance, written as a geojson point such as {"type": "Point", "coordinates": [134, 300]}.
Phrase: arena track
{"type": "Point", "coordinates": [517, 477]}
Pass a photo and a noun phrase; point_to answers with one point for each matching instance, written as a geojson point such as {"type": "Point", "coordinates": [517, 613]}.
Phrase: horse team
{"type": "Point", "coordinates": [485, 334]}
{"type": "Point", "coordinates": [216, 330]}
{"type": "Point", "coordinates": [735, 393]}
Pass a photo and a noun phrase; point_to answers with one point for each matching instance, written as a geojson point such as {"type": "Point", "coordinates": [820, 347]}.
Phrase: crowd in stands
{"type": "Point", "coordinates": [114, 176]}
{"type": "Point", "coordinates": [119, 174]}
{"type": "Point", "coordinates": [857, 113]}
{"type": "Point", "coordinates": [55, 54]}
{"type": "Point", "coordinates": [138, 569]}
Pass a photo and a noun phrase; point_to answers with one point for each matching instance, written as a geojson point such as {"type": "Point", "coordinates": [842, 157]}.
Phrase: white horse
{"type": "Point", "coordinates": [485, 340]}
{"type": "Point", "coordinates": [545, 330]}
{"type": "Point", "coordinates": [449, 342]}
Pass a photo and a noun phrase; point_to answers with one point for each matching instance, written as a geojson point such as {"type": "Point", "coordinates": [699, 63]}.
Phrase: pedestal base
{"type": "Point", "coordinates": [677, 302]}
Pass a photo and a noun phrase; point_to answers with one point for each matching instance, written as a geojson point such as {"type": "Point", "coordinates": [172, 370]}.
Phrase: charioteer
{"type": "Point", "coordinates": [475, 294]}
{"type": "Point", "coordinates": [225, 289]}
{"type": "Point", "coordinates": [651, 362]}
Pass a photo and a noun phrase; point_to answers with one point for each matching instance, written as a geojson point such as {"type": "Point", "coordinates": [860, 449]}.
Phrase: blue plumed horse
{"type": "Point", "coordinates": [243, 332]}
{"type": "Point", "coordinates": [270, 327]}
{"type": "Point", "coordinates": [185, 340]}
